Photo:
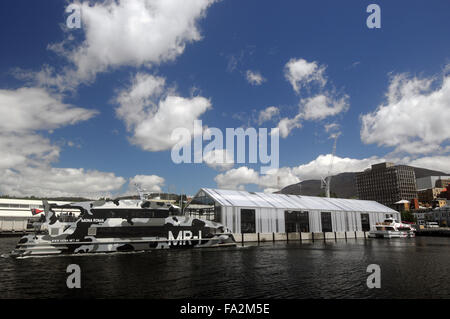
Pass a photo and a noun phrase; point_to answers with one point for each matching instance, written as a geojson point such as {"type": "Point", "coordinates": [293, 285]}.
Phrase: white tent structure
{"type": "Point", "coordinates": [255, 212]}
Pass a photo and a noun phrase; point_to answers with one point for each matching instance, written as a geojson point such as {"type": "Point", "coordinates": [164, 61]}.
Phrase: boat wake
{"type": "Point", "coordinates": [112, 253]}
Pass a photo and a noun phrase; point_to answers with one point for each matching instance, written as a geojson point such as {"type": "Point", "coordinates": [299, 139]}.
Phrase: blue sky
{"type": "Point", "coordinates": [409, 53]}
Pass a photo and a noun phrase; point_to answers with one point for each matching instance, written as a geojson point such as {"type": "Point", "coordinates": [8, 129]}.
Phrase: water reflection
{"type": "Point", "coordinates": [410, 268]}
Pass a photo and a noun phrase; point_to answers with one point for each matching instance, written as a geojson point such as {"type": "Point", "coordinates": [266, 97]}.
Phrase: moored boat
{"type": "Point", "coordinates": [120, 226]}
{"type": "Point", "coordinates": [391, 228]}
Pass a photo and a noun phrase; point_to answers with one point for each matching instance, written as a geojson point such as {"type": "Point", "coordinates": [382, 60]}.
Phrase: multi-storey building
{"type": "Point", "coordinates": [387, 183]}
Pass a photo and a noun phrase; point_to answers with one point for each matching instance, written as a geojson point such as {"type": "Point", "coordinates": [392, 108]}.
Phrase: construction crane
{"type": "Point", "coordinates": [326, 182]}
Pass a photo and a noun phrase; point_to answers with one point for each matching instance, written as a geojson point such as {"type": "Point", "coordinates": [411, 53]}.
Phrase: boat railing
{"type": "Point", "coordinates": [384, 223]}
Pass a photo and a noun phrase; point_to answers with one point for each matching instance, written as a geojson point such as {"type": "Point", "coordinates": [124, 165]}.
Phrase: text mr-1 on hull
{"type": "Point", "coordinates": [120, 226]}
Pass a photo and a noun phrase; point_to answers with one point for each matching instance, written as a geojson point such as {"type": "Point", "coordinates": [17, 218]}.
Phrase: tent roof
{"type": "Point", "coordinates": [259, 199]}
{"type": "Point", "coordinates": [403, 201]}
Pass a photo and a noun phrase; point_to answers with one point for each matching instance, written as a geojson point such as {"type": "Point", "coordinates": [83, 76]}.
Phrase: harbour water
{"type": "Point", "coordinates": [410, 268]}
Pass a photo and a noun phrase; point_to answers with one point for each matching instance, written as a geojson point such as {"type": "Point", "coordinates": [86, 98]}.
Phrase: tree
{"type": "Point", "coordinates": [408, 217]}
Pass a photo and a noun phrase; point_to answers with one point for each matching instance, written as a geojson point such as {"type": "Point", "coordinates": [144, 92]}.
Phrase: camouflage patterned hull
{"type": "Point", "coordinates": [119, 235]}
{"type": "Point", "coordinates": [39, 247]}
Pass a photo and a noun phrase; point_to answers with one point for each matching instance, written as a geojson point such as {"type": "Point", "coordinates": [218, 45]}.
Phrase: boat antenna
{"type": "Point", "coordinates": [140, 191]}
{"type": "Point", "coordinates": [49, 213]}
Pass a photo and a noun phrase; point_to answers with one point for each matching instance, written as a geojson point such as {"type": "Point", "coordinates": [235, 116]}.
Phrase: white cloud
{"type": "Point", "coordinates": [267, 114]}
{"type": "Point", "coordinates": [322, 106]}
{"type": "Point", "coordinates": [254, 77]}
{"type": "Point", "coordinates": [22, 149]}
{"type": "Point", "coordinates": [25, 166]}
{"type": "Point", "coordinates": [237, 178]}
{"type": "Point", "coordinates": [414, 118]}
{"type": "Point", "coordinates": [219, 159]}
{"type": "Point", "coordinates": [134, 33]}
{"type": "Point", "coordinates": [331, 127]}
{"type": "Point", "coordinates": [301, 73]}
{"type": "Point", "coordinates": [139, 99]}
{"type": "Point", "coordinates": [154, 132]}
{"type": "Point", "coordinates": [49, 77]}
{"type": "Point", "coordinates": [49, 181]}
{"type": "Point", "coordinates": [23, 112]}
{"type": "Point", "coordinates": [314, 108]}
{"type": "Point", "coordinates": [152, 112]}
{"type": "Point", "coordinates": [286, 125]}
{"type": "Point", "coordinates": [28, 109]}
{"type": "Point", "coordinates": [150, 183]}
{"type": "Point", "coordinates": [320, 166]}
{"type": "Point", "coordinates": [277, 179]}
{"type": "Point", "coordinates": [438, 163]}
{"type": "Point", "coordinates": [116, 33]}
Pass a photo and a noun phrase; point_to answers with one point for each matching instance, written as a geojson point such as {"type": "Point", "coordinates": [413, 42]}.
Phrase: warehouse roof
{"type": "Point", "coordinates": [284, 201]}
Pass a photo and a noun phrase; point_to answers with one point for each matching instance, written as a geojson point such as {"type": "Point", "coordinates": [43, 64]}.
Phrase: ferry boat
{"type": "Point", "coordinates": [120, 226]}
{"type": "Point", "coordinates": [391, 228]}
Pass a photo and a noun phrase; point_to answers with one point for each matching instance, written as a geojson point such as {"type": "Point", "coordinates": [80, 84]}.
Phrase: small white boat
{"type": "Point", "coordinates": [391, 228]}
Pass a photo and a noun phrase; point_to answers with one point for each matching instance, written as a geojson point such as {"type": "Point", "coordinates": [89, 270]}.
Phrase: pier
{"type": "Point", "coordinates": [438, 232]}
{"type": "Point", "coordinates": [287, 237]}
{"type": "Point", "coordinates": [15, 233]}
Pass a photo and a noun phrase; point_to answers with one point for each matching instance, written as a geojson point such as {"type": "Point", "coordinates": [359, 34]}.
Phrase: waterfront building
{"type": "Point", "coordinates": [432, 182]}
{"type": "Point", "coordinates": [446, 193]}
{"type": "Point", "coordinates": [387, 183]}
{"type": "Point", "coordinates": [427, 196]}
{"type": "Point", "coordinates": [402, 205]}
{"type": "Point", "coordinates": [439, 202]}
{"type": "Point", "coordinates": [441, 215]}
{"type": "Point", "coordinates": [256, 212]}
{"type": "Point", "coordinates": [16, 216]}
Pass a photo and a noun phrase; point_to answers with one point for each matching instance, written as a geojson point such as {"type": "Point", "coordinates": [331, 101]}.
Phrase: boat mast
{"type": "Point", "coordinates": [326, 182]}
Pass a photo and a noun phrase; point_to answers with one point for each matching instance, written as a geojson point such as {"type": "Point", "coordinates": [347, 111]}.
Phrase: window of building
{"type": "Point", "coordinates": [365, 222]}
{"type": "Point", "coordinates": [296, 222]}
{"type": "Point", "coordinates": [204, 207]}
{"type": "Point", "coordinates": [218, 214]}
{"type": "Point", "coordinates": [326, 221]}
{"type": "Point", "coordinates": [248, 222]}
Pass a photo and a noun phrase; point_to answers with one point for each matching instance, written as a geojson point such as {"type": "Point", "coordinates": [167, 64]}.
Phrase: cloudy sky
{"type": "Point", "coordinates": [90, 111]}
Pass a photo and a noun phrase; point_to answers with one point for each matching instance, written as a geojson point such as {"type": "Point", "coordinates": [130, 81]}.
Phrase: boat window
{"type": "Point", "coordinates": [146, 204]}
{"type": "Point", "coordinates": [130, 213]}
{"type": "Point", "coordinates": [125, 231]}
{"type": "Point", "coordinates": [248, 223]}
{"type": "Point", "coordinates": [145, 231]}
{"type": "Point", "coordinates": [160, 214]}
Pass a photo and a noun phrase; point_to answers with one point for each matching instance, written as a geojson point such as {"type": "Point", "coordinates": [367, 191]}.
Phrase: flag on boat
{"type": "Point", "coordinates": [35, 211]}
